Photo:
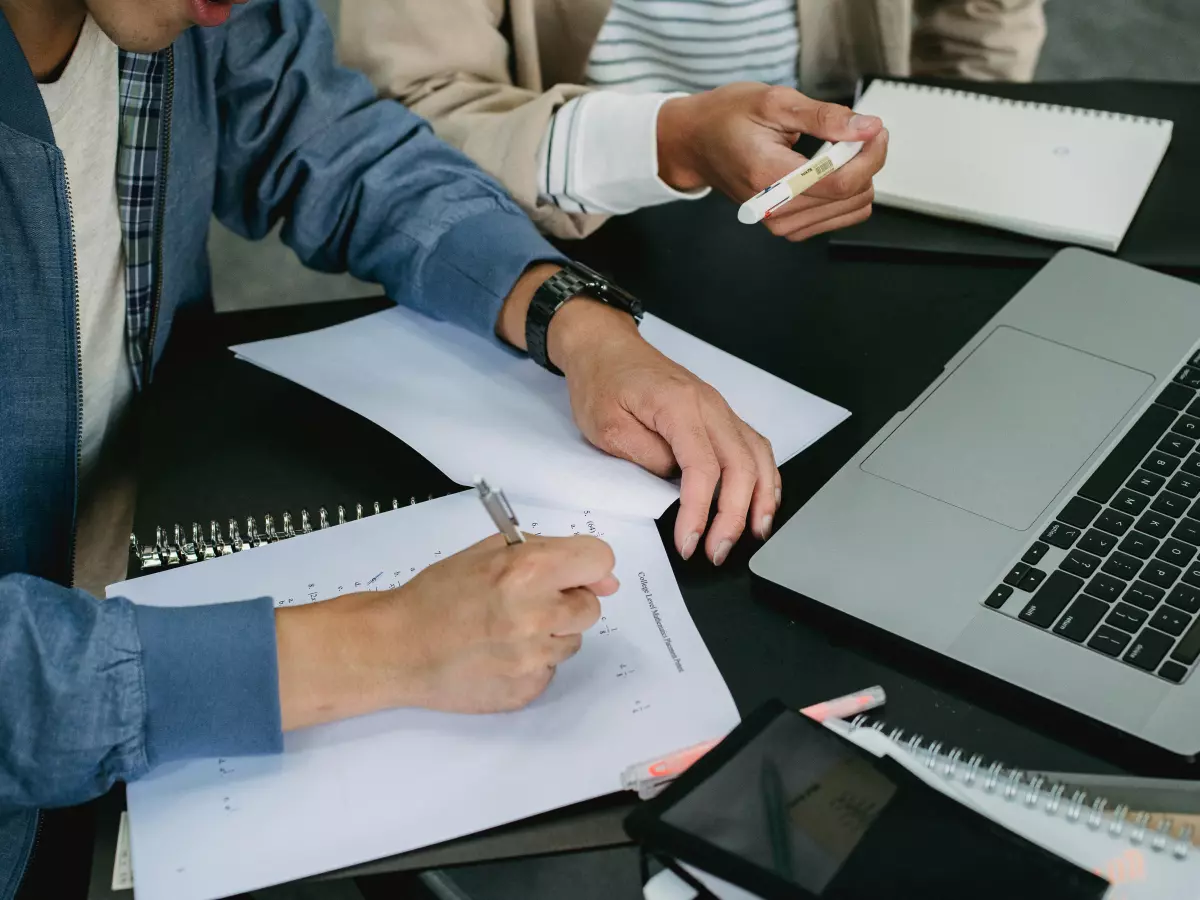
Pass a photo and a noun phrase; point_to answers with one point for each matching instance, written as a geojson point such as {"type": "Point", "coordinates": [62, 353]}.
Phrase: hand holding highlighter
{"type": "Point", "coordinates": [827, 161]}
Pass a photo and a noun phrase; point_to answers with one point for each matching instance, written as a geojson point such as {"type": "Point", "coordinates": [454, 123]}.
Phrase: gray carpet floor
{"type": "Point", "coordinates": [1148, 39]}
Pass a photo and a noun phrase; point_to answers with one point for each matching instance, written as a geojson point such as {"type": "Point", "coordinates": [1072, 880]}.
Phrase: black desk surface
{"type": "Point", "coordinates": [225, 439]}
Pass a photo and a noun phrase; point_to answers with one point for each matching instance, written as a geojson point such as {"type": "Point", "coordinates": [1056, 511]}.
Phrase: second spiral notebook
{"type": "Point", "coordinates": [1057, 172]}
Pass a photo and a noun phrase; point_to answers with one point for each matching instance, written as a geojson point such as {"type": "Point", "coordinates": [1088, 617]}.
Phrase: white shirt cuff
{"type": "Point", "coordinates": [600, 155]}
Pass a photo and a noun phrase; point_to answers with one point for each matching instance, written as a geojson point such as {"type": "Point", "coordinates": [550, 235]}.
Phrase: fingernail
{"type": "Point", "coordinates": [723, 549]}
{"type": "Point", "coordinates": [862, 123]}
{"type": "Point", "coordinates": [778, 497]}
{"type": "Point", "coordinates": [765, 529]}
{"type": "Point", "coordinates": [689, 546]}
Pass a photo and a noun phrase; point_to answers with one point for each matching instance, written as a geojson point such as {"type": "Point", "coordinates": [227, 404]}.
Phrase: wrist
{"type": "Point", "coordinates": [338, 659]}
{"type": "Point", "coordinates": [582, 326]}
{"type": "Point", "coordinates": [677, 164]}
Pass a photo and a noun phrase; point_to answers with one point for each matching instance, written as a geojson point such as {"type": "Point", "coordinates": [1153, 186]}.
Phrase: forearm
{"type": "Point", "coordinates": [363, 184]}
{"type": "Point", "coordinates": [94, 692]}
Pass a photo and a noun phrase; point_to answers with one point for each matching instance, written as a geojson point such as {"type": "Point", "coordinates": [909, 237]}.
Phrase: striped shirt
{"type": "Point", "coordinates": [600, 153]}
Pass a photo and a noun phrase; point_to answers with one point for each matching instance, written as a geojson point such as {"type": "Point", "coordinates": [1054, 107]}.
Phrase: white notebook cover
{"type": "Point", "coordinates": [1062, 173]}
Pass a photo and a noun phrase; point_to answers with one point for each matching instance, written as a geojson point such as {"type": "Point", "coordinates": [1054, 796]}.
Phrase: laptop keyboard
{"type": "Point", "coordinates": [1118, 570]}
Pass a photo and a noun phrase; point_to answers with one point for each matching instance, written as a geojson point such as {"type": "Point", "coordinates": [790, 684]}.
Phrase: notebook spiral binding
{"type": "Point", "coordinates": [178, 550]}
{"type": "Point", "coordinates": [1029, 104]}
{"type": "Point", "coordinates": [1019, 786]}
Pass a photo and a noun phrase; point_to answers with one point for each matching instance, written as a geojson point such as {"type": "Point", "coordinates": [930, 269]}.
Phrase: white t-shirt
{"type": "Point", "coordinates": [84, 113]}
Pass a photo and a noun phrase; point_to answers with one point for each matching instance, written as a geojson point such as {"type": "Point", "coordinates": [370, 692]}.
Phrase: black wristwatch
{"type": "Point", "coordinates": [573, 280]}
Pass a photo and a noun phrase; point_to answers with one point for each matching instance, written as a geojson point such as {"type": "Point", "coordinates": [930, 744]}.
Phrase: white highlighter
{"type": "Point", "coordinates": [765, 202]}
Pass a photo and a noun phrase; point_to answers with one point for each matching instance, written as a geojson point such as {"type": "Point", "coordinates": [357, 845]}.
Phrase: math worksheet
{"type": "Point", "coordinates": [341, 794]}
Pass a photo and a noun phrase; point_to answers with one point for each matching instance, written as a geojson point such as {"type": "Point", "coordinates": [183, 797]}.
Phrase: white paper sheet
{"type": "Point", "coordinates": [643, 684]}
{"type": "Point", "coordinates": [470, 406]}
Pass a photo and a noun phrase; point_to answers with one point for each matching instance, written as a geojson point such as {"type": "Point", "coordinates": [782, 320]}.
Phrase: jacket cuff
{"type": "Point", "coordinates": [211, 680]}
{"type": "Point", "coordinates": [476, 264]}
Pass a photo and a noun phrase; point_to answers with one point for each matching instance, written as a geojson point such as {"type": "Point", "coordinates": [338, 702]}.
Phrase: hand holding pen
{"type": "Point", "coordinates": [502, 514]}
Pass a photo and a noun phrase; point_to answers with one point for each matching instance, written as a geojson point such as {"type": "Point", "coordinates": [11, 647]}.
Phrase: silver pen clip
{"type": "Point", "coordinates": [502, 514]}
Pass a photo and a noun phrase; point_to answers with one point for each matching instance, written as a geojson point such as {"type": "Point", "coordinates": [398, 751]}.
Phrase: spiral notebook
{"type": "Point", "coordinates": [180, 546]}
{"type": "Point", "coordinates": [1057, 172]}
{"type": "Point", "coordinates": [1142, 854]}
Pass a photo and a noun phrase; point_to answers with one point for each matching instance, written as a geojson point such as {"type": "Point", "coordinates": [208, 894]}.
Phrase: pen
{"type": "Point", "coordinates": [792, 185]}
{"type": "Point", "coordinates": [502, 514]}
{"type": "Point", "coordinates": [651, 776]}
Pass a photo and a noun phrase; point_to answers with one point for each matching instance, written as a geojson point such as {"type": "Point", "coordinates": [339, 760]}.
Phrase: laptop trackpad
{"type": "Point", "coordinates": [1010, 427]}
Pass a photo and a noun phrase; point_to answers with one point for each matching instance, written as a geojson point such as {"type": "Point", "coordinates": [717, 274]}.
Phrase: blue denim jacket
{"type": "Point", "coordinates": [263, 127]}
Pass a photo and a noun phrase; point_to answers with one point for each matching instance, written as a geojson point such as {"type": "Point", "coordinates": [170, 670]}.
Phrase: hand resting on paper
{"type": "Point", "coordinates": [739, 138]}
{"type": "Point", "coordinates": [481, 631]}
{"type": "Point", "coordinates": [631, 401]}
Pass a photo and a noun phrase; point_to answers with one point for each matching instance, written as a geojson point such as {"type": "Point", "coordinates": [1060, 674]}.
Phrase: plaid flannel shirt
{"type": "Point", "coordinates": [141, 158]}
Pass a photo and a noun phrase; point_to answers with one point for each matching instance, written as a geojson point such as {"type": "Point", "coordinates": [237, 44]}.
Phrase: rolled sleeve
{"type": "Point", "coordinates": [211, 680]}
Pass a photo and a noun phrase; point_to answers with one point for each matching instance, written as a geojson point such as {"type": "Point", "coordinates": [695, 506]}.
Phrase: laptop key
{"type": "Point", "coordinates": [1147, 596]}
{"type": "Point", "coordinates": [1079, 512]}
{"type": "Point", "coordinates": [1035, 553]}
{"type": "Point", "coordinates": [1175, 396]}
{"type": "Point", "coordinates": [1097, 542]}
{"type": "Point", "coordinates": [1177, 553]}
{"type": "Point", "coordinates": [1114, 522]}
{"type": "Point", "coordinates": [1171, 504]}
{"type": "Point", "coordinates": [1171, 620]}
{"type": "Point", "coordinates": [1060, 535]}
{"type": "Point", "coordinates": [1148, 649]}
{"type": "Point", "coordinates": [1051, 599]}
{"type": "Point", "coordinates": [1192, 575]}
{"type": "Point", "coordinates": [1129, 452]}
{"type": "Point", "coordinates": [997, 598]}
{"type": "Point", "coordinates": [1176, 444]}
{"type": "Point", "coordinates": [1109, 640]}
{"type": "Point", "coordinates": [1188, 647]}
{"type": "Point", "coordinates": [1145, 482]}
{"type": "Point", "coordinates": [1130, 502]}
{"type": "Point", "coordinates": [1140, 545]}
{"type": "Point", "coordinates": [1080, 563]}
{"type": "Point", "coordinates": [1189, 377]}
{"type": "Point", "coordinates": [1188, 426]}
{"type": "Point", "coordinates": [1033, 578]}
{"type": "Point", "coordinates": [1160, 573]}
{"type": "Point", "coordinates": [1018, 572]}
{"type": "Point", "coordinates": [1080, 618]}
{"type": "Point", "coordinates": [1105, 587]}
{"type": "Point", "coordinates": [1191, 465]}
{"type": "Point", "coordinates": [1185, 597]}
{"type": "Point", "coordinates": [1172, 671]}
{"type": "Point", "coordinates": [1155, 523]}
{"type": "Point", "coordinates": [1162, 464]}
{"type": "Point", "coordinates": [1120, 564]}
{"type": "Point", "coordinates": [1187, 485]}
{"type": "Point", "coordinates": [1187, 530]}
{"type": "Point", "coordinates": [1127, 618]}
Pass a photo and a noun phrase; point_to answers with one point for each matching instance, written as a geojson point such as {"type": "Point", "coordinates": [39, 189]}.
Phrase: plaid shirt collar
{"type": "Point", "coordinates": [142, 157]}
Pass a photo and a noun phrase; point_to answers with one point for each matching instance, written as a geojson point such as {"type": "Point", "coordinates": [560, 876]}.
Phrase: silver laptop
{"type": "Point", "coordinates": [1035, 513]}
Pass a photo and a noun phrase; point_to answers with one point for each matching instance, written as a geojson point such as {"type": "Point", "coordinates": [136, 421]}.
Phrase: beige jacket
{"type": "Point", "coordinates": [489, 74]}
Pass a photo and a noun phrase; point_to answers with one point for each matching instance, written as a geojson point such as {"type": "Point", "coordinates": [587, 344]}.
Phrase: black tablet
{"type": "Point", "coordinates": [787, 809]}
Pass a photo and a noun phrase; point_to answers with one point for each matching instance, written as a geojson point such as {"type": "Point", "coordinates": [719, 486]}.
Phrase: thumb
{"type": "Point", "coordinates": [793, 111]}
